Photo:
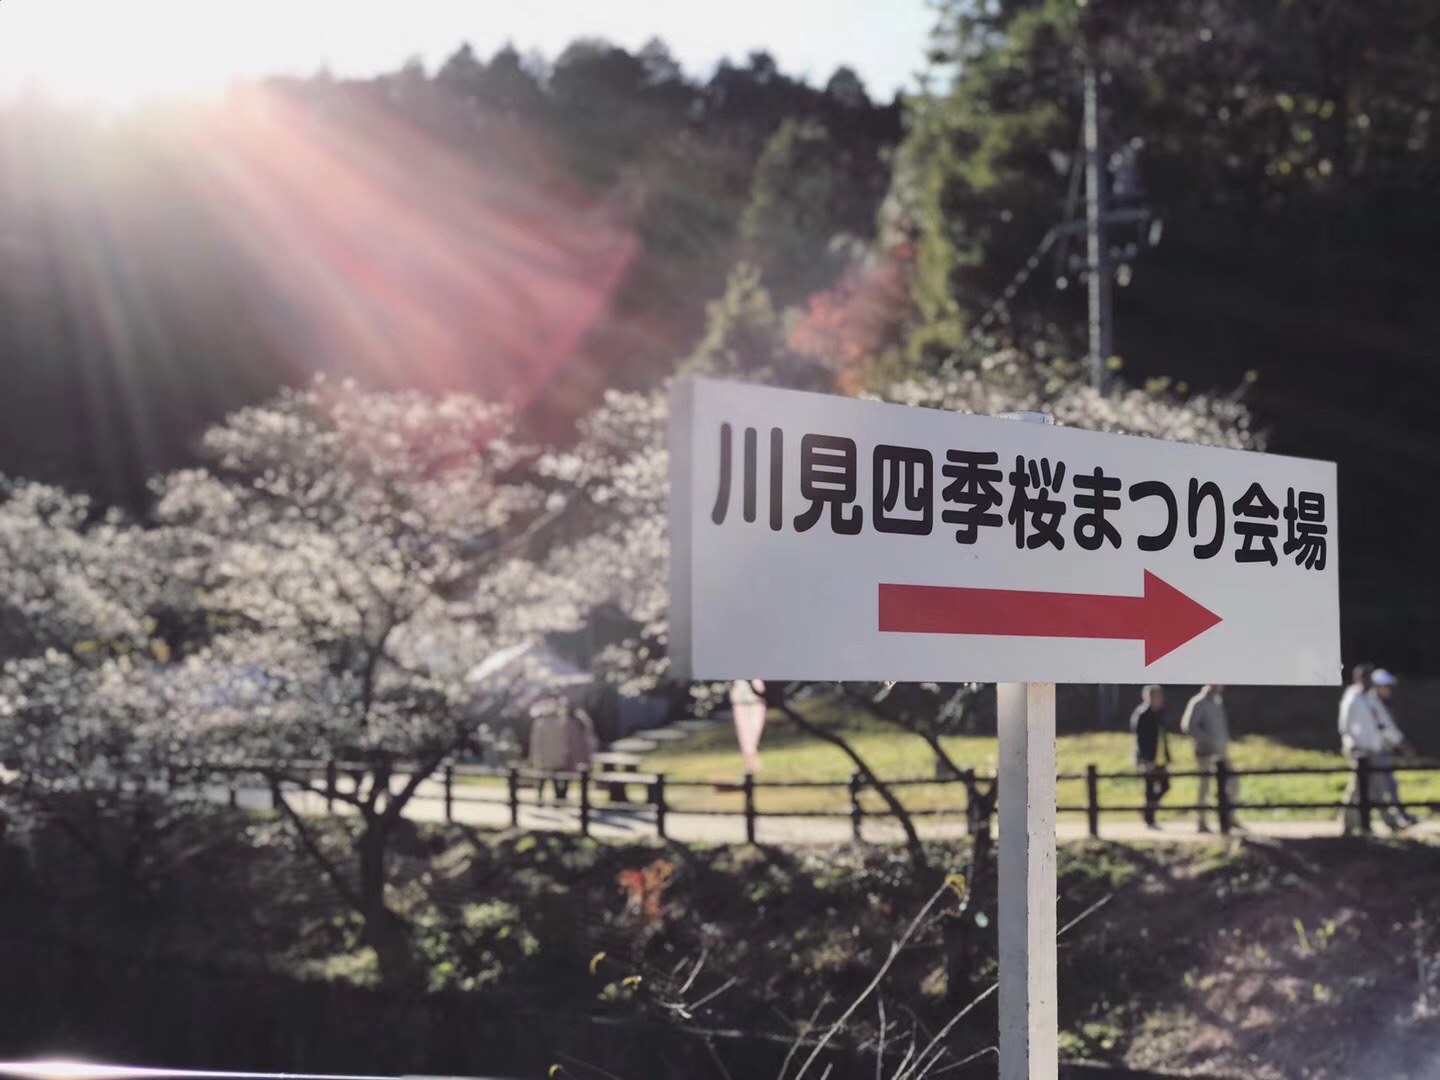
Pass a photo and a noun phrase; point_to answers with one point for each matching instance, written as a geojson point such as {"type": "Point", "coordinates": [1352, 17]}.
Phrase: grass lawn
{"type": "Point", "coordinates": [788, 754]}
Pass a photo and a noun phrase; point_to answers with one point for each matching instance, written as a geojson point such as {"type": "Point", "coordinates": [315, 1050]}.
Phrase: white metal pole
{"type": "Point", "coordinates": [1029, 1047]}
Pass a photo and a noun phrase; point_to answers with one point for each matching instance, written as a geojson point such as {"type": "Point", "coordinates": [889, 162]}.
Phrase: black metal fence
{"type": "Point", "coordinates": [653, 796]}
{"type": "Point", "coordinates": [1363, 803]}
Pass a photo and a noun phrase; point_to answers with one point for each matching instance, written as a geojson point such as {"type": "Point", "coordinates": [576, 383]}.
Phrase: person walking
{"type": "Point", "coordinates": [1205, 722]}
{"type": "Point", "coordinates": [1357, 741]}
{"type": "Point", "coordinates": [1151, 749]}
{"type": "Point", "coordinates": [562, 740]}
{"type": "Point", "coordinates": [1395, 742]}
{"type": "Point", "coordinates": [581, 739]}
{"type": "Point", "coordinates": [1370, 736]}
{"type": "Point", "coordinates": [550, 750]}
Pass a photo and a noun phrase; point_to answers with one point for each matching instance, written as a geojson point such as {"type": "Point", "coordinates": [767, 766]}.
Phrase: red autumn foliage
{"type": "Point", "coordinates": [849, 325]}
{"type": "Point", "coordinates": [645, 889]}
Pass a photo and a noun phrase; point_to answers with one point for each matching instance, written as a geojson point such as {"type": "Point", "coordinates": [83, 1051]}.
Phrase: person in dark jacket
{"type": "Point", "coordinates": [1152, 755]}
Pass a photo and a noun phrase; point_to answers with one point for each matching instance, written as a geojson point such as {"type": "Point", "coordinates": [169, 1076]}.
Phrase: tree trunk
{"type": "Point", "coordinates": [946, 763]}
{"type": "Point", "coordinates": [955, 927]}
{"type": "Point", "coordinates": [385, 931]}
{"type": "Point", "coordinates": [912, 838]}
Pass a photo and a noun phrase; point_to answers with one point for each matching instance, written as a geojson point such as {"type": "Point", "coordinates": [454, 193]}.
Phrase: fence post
{"type": "Point", "coordinates": [584, 800]}
{"type": "Point", "coordinates": [332, 782]}
{"type": "Point", "coordinates": [449, 794]}
{"type": "Point", "coordinates": [512, 780]}
{"type": "Point", "coordinates": [749, 808]}
{"type": "Point", "coordinates": [1222, 794]}
{"type": "Point", "coordinates": [1092, 796]}
{"type": "Point", "coordinates": [857, 812]}
{"type": "Point", "coordinates": [1362, 782]}
{"type": "Point", "coordinates": [275, 803]}
{"type": "Point", "coordinates": [659, 798]}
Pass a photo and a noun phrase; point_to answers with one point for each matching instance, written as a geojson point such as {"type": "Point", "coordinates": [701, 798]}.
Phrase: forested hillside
{"type": "Point", "coordinates": [1292, 150]}
{"type": "Point", "coordinates": [542, 230]}
{"type": "Point", "coordinates": [538, 233]}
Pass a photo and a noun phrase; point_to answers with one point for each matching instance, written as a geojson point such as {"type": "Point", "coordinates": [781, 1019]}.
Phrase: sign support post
{"type": "Point", "coordinates": [1029, 1017]}
{"type": "Point", "coordinates": [1029, 1046]}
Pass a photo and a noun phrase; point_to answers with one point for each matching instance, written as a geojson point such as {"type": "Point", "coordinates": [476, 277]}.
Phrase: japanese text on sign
{"type": "Point", "coordinates": [1038, 502]}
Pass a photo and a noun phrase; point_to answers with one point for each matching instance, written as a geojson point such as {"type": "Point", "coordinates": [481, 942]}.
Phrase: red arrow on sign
{"type": "Point", "coordinates": [1164, 617]}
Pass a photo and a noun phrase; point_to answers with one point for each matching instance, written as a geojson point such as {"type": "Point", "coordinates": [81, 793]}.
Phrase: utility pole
{"type": "Point", "coordinates": [1117, 224]}
{"type": "Point", "coordinates": [1097, 258]}
{"type": "Point", "coordinates": [1102, 345]}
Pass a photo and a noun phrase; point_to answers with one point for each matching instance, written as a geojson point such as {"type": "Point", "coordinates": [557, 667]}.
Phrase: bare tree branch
{"type": "Point", "coordinates": [312, 847]}
{"type": "Point", "coordinates": [872, 706]}
{"type": "Point", "coordinates": [1084, 915]}
{"type": "Point", "coordinates": [715, 1057]}
{"type": "Point", "coordinates": [912, 838]}
{"type": "Point", "coordinates": [695, 971]}
{"type": "Point", "coordinates": [300, 781]}
{"type": "Point", "coordinates": [726, 985]}
{"type": "Point", "coordinates": [596, 1069]}
{"type": "Point", "coordinates": [930, 1055]}
{"type": "Point", "coordinates": [895, 950]}
{"type": "Point", "coordinates": [799, 1039]}
{"type": "Point", "coordinates": [976, 1056]}
{"type": "Point", "coordinates": [880, 1048]}
{"type": "Point", "coordinates": [425, 769]}
{"type": "Point", "coordinates": [909, 1052]}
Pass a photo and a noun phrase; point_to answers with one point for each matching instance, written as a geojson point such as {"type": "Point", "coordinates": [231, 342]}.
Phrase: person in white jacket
{"type": "Point", "coordinates": [1393, 738]}
{"type": "Point", "coordinates": [1207, 723]}
{"type": "Point", "coordinates": [1368, 733]}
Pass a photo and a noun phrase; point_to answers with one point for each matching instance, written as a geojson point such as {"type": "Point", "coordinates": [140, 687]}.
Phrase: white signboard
{"type": "Point", "coordinates": [818, 537]}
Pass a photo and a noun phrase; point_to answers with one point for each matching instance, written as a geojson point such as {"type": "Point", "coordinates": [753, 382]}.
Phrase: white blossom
{"type": "Point", "coordinates": [343, 562]}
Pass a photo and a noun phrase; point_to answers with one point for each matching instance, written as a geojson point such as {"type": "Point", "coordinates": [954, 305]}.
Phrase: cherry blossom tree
{"type": "Point", "coordinates": [355, 556]}
{"type": "Point", "coordinates": [320, 591]}
{"type": "Point", "coordinates": [79, 738]}
{"type": "Point", "coordinates": [1008, 381]}
{"type": "Point", "coordinates": [70, 575]}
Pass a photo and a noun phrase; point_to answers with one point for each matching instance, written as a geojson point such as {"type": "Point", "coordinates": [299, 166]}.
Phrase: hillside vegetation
{"type": "Point", "coordinates": [1317, 959]}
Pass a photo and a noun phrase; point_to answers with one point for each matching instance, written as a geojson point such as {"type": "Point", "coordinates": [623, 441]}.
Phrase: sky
{"type": "Point", "coordinates": [121, 51]}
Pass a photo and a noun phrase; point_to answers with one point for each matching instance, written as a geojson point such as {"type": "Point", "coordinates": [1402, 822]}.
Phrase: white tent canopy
{"type": "Point", "coordinates": [549, 667]}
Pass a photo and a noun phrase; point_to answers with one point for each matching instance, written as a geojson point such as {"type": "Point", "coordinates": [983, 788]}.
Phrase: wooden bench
{"type": "Point", "coordinates": [610, 767]}
{"type": "Point", "coordinates": [615, 784]}
{"type": "Point", "coordinates": [634, 744]}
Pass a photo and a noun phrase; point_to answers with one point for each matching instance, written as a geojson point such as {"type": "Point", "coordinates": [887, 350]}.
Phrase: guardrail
{"type": "Point", "coordinates": [76, 1070]}
{"type": "Point", "coordinates": [84, 1070]}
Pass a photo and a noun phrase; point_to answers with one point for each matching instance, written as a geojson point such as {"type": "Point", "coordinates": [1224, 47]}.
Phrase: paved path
{"type": "Point", "coordinates": [487, 809]}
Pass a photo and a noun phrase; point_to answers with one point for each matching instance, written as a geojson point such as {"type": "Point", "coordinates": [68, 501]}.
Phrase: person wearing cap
{"type": "Point", "coordinates": [1205, 721]}
{"type": "Point", "coordinates": [1151, 750]}
{"type": "Point", "coordinates": [1395, 744]}
{"type": "Point", "coordinates": [1369, 734]}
